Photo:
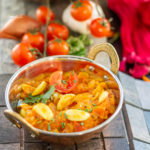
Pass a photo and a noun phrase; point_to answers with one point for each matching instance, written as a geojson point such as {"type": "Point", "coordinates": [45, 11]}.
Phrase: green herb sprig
{"type": "Point", "coordinates": [43, 97]}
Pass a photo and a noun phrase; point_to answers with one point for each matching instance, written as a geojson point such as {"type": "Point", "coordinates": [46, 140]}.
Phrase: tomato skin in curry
{"type": "Point", "coordinates": [73, 106]}
{"type": "Point", "coordinates": [56, 79]}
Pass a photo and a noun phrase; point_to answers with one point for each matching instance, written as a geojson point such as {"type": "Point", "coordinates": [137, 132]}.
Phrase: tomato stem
{"type": "Point", "coordinates": [35, 51]}
{"type": "Point", "coordinates": [34, 31]}
{"type": "Point", "coordinates": [45, 34]}
{"type": "Point", "coordinates": [78, 4]}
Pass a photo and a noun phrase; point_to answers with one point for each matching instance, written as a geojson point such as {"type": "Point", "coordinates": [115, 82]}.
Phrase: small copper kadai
{"type": "Point", "coordinates": [64, 63]}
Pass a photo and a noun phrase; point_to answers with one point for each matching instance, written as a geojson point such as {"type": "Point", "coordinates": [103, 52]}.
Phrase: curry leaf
{"type": "Point", "coordinates": [48, 94]}
{"type": "Point", "coordinates": [32, 99]}
{"type": "Point", "coordinates": [49, 127]}
{"type": "Point", "coordinates": [63, 125]}
{"type": "Point", "coordinates": [63, 81]}
{"type": "Point", "coordinates": [42, 97]}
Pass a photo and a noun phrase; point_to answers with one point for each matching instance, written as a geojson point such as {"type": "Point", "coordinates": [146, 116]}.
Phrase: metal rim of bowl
{"type": "Point", "coordinates": [71, 58]}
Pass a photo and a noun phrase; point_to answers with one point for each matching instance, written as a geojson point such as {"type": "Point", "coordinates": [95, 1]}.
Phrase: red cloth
{"type": "Point", "coordinates": [135, 35]}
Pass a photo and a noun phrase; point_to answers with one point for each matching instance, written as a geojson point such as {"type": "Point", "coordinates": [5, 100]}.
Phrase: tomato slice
{"type": "Point", "coordinates": [61, 85]}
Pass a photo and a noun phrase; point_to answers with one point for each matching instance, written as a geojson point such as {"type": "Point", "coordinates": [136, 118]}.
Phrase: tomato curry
{"type": "Point", "coordinates": [65, 102]}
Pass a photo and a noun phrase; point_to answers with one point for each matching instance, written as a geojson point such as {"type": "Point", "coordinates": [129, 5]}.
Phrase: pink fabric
{"type": "Point", "coordinates": [135, 34]}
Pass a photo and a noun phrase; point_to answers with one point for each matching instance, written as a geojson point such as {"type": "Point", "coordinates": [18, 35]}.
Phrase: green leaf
{"type": "Point", "coordinates": [48, 94]}
{"type": "Point", "coordinates": [82, 52]}
{"type": "Point", "coordinates": [43, 97]}
{"type": "Point", "coordinates": [65, 115]}
{"type": "Point", "coordinates": [75, 44]}
{"type": "Point", "coordinates": [86, 40]}
{"type": "Point", "coordinates": [58, 128]}
{"type": "Point", "coordinates": [63, 125]}
{"type": "Point", "coordinates": [32, 99]}
{"type": "Point", "coordinates": [63, 81]}
{"type": "Point", "coordinates": [60, 114]}
{"type": "Point", "coordinates": [91, 109]}
{"type": "Point", "coordinates": [94, 104]}
{"type": "Point", "coordinates": [49, 127]}
{"type": "Point", "coordinates": [87, 110]}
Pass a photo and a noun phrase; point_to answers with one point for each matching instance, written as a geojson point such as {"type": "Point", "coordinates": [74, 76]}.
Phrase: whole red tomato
{"type": "Point", "coordinates": [57, 30]}
{"type": "Point", "coordinates": [81, 10]}
{"type": "Point", "coordinates": [100, 27]}
{"type": "Point", "coordinates": [35, 39]}
{"type": "Point", "coordinates": [21, 54]}
{"type": "Point", "coordinates": [41, 14]}
{"type": "Point", "coordinates": [57, 47]}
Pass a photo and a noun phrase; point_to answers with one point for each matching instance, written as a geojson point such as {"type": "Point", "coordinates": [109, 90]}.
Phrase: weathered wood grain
{"type": "Point", "coordinates": [129, 88]}
{"type": "Point", "coordinates": [61, 147]}
{"type": "Point", "coordinates": [141, 145]}
{"type": "Point", "coordinates": [116, 144]}
{"type": "Point", "coordinates": [3, 81]}
{"type": "Point", "coordinates": [116, 128]}
{"type": "Point", "coordinates": [30, 7]}
{"type": "Point", "coordinates": [36, 146]}
{"type": "Point", "coordinates": [8, 133]}
{"type": "Point", "coordinates": [6, 64]}
{"type": "Point", "coordinates": [10, 146]}
{"type": "Point", "coordinates": [93, 144]}
{"type": "Point", "coordinates": [143, 89]}
{"type": "Point", "coordinates": [147, 118]}
{"type": "Point", "coordinates": [8, 9]}
{"type": "Point", "coordinates": [138, 124]}
{"type": "Point", "coordinates": [27, 137]}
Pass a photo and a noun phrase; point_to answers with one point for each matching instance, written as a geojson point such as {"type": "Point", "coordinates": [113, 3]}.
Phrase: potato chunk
{"type": "Point", "coordinates": [39, 89]}
{"type": "Point", "coordinates": [77, 115]}
{"type": "Point", "coordinates": [103, 96]}
{"type": "Point", "coordinates": [65, 101]}
{"type": "Point", "coordinates": [27, 88]}
{"type": "Point", "coordinates": [43, 110]}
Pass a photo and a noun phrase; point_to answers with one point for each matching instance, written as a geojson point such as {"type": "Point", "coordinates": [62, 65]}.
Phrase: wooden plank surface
{"type": "Point", "coordinates": [94, 144]}
{"type": "Point", "coordinates": [3, 81]}
{"type": "Point", "coordinates": [37, 146]}
{"type": "Point", "coordinates": [13, 146]}
{"type": "Point", "coordinates": [116, 128]}
{"type": "Point", "coordinates": [116, 144]}
{"type": "Point", "coordinates": [8, 133]}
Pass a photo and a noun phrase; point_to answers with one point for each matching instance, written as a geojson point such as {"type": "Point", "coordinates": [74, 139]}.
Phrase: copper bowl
{"type": "Point", "coordinates": [65, 62]}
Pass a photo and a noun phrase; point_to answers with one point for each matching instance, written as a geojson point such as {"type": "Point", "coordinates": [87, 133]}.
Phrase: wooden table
{"type": "Point", "coordinates": [117, 136]}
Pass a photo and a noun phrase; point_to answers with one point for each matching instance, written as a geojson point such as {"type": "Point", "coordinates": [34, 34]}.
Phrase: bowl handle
{"type": "Point", "coordinates": [16, 119]}
{"type": "Point", "coordinates": [110, 50]}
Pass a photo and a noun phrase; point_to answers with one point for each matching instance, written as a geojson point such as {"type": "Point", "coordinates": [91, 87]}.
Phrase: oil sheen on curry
{"type": "Point", "coordinates": [67, 101]}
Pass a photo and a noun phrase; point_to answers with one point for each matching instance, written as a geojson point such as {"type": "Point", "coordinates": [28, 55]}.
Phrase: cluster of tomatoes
{"type": "Point", "coordinates": [81, 10]}
{"type": "Point", "coordinates": [32, 43]}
